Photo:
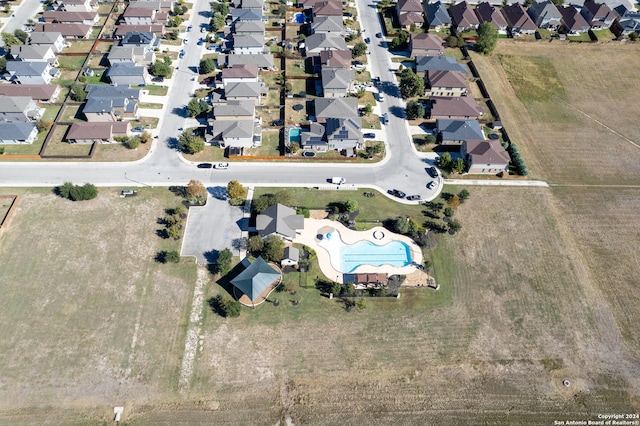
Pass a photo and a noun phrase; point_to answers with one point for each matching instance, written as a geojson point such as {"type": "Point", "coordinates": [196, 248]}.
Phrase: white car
{"type": "Point", "coordinates": [221, 166]}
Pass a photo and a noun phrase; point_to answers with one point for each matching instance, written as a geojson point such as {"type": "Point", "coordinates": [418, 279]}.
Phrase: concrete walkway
{"type": "Point", "coordinates": [495, 182]}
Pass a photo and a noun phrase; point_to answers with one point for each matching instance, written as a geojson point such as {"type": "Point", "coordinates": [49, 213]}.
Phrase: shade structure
{"type": "Point", "coordinates": [255, 279]}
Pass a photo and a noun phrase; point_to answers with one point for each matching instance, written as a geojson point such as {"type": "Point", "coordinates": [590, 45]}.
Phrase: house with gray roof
{"type": "Point", "coordinates": [66, 17]}
{"type": "Point", "coordinates": [486, 12]}
{"type": "Point", "coordinates": [34, 53]}
{"type": "Point", "coordinates": [158, 5]}
{"type": "Point", "coordinates": [249, 27]}
{"type": "Point", "coordinates": [291, 256]}
{"type": "Point", "coordinates": [127, 74]}
{"type": "Point", "coordinates": [485, 157]}
{"type": "Point", "coordinates": [55, 40]}
{"type": "Point", "coordinates": [238, 14]}
{"type": "Point", "coordinates": [316, 43]}
{"type": "Point", "coordinates": [123, 29]}
{"type": "Point", "coordinates": [234, 133]}
{"type": "Point", "coordinates": [19, 108]}
{"type": "Point", "coordinates": [572, 21]}
{"type": "Point", "coordinates": [438, 63]}
{"type": "Point", "coordinates": [248, 44]}
{"type": "Point", "coordinates": [31, 72]}
{"type": "Point", "coordinates": [245, 91]}
{"type": "Point", "coordinates": [110, 103]}
{"type": "Point", "coordinates": [38, 92]}
{"type": "Point", "coordinates": [454, 132]}
{"type": "Point", "coordinates": [335, 107]}
{"type": "Point", "coordinates": [336, 82]}
{"type": "Point", "coordinates": [75, 5]}
{"type": "Point", "coordinates": [425, 44]}
{"type": "Point", "coordinates": [518, 21]}
{"type": "Point", "coordinates": [458, 107]}
{"type": "Point", "coordinates": [256, 280]}
{"type": "Point", "coordinates": [97, 132]}
{"type": "Point", "coordinates": [264, 61]}
{"type": "Point", "coordinates": [328, 59]}
{"type": "Point", "coordinates": [545, 15]}
{"type": "Point", "coordinates": [140, 39]}
{"type": "Point", "coordinates": [139, 55]}
{"type": "Point", "coordinates": [462, 17]}
{"type": "Point", "coordinates": [233, 110]}
{"type": "Point", "coordinates": [327, 24]}
{"type": "Point", "coordinates": [628, 23]}
{"type": "Point", "coordinates": [279, 220]}
{"type": "Point", "coordinates": [598, 15]}
{"type": "Point", "coordinates": [17, 133]}
{"type": "Point", "coordinates": [251, 4]}
{"type": "Point", "coordinates": [410, 12]}
{"type": "Point", "coordinates": [340, 134]}
{"type": "Point", "coordinates": [437, 16]}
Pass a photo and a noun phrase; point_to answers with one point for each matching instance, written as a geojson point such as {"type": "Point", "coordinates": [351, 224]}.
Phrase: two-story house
{"type": "Point", "coordinates": [139, 16]}
{"type": "Point", "coordinates": [598, 15]}
{"type": "Point", "coordinates": [484, 156]}
{"type": "Point", "coordinates": [248, 44]}
{"type": "Point", "coordinates": [410, 13]}
{"type": "Point", "coordinates": [336, 82]}
{"type": "Point", "coordinates": [19, 108]}
{"type": "Point", "coordinates": [110, 103]}
{"type": "Point", "coordinates": [462, 17]}
{"type": "Point", "coordinates": [233, 124]}
{"type": "Point", "coordinates": [425, 45]}
{"type": "Point", "coordinates": [316, 43]}
{"type": "Point", "coordinates": [55, 40]}
{"type": "Point", "coordinates": [31, 72]}
{"type": "Point", "coordinates": [437, 16]}
{"type": "Point", "coordinates": [75, 5]}
{"type": "Point", "coordinates": [518, 21]}
{"type": "Point", "coordinates": [572, 21]}
{"type": "Point", "coordinates": [545, 15]}
{"type": "Point", "coordinates": [127, 73]}
{"type": "Point", "coordinates": [32, 53]}
{"type": "Point", "coordinates": [486, 12]}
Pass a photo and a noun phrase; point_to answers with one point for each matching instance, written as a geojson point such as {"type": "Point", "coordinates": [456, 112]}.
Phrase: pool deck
{"type": "Point", "coordinates": [313, 227]}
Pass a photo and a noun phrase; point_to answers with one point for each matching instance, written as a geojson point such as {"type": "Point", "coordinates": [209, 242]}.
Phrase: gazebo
{"type": "Point", "coordinates": [256, 278]}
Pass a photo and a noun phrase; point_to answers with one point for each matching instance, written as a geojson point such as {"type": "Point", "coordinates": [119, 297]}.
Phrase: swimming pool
{"type": "Point", "coordinates": [299, 18]}
{"type": "Point", "coordinates": [294, 134]}
{"type": "Point", "coordinates": [395, 253]}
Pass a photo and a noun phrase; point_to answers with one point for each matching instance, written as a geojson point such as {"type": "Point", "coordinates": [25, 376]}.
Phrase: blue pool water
{"type": "Point", "coordinates": [299, 18]}
{"type": "Point", "coordinates": [294, 135]}
{"type": "Point", "coordinates": [395, 253]}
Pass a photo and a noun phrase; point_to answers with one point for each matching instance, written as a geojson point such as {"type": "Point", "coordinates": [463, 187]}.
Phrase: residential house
{"type": "Point", "coordinates": [454, 132]}
{"type": "Point", "coordinates": [238, 15]}
{"type": "Point", "coordinates": [63, 17]}
{"type": "Point", "coordinates": [55, 40]}
{"type": "Point", "coordinates": [410, 12]}
{"type": "Point", "coordinates": [485, 156]}
{"type": "Point", "coordinates": [234, 133]}
{"type": "Point", "coordinates": [234, 110]}
{"type": "Point", "coordinates": [100, 132]}
{"type": "Point", "coordinates": [446, 83]}
{"type": "Point", "coordinates": [31, 53]}
{"type": "Point", "coordinates": [332, 59]}
{"type": "Point", "coordinates": [459, 107]}
{"type": "Point", "coordinates": [17, 133]}
{"type": "Point", "coordinates": [486, 12]}
{"type": "Point", "coordinates": [19, 108]}
{"type": "Point", "coordinates": [239, 91]}
{"type": "Point", "coordinates": [316, 43]}
{"type": "Point", "coordinates": [281, 221]}
{"type": "Point", "coordinates": [31, 72]}
{"type": "Point", "coordinates": [248, 44]}
{"type": "Point", "coordinates": [146, 39]}
{"type": "Point", "coordinates": [425, 45]}
{"type": "Point", "coordinates": [127, 73]}
{"type": "Point", "coordinates": [336, 82]}
{"type": "Point", "coordinates": [545, 15]}
{"type": "Point", "coordinates": [38, 92]}
{"type": "Point", "coordinates": [518, 21]}
{"type": "Point", "coordinates": [249, 27]}
{"type": "Point", "coordinates": [462, 17]}
{"type": "Point", "coordinates": [264, 61]}
{"type": "Point", "coordinates": [336, 107]}
{"type": "Point", "coordinates": [75, 5]}
{"type": "Point", "coordinates": [338, 127]}
{"type": "Point", "coordinates": [327, 24]}
{"type": "Point", "coordinates": [598, 15]}
{"type": "Point", "coordinates": [123, 29]}
{"type": "Point", "coordinates": [572, 21]}
{"type": "Point", "coordinates": [438, 63]}
{"type": "Point", "coordinates": [239, 73]}
{"type": "Point", "coordinates": [251, 4]}
{"type": "Point", "coordinates": [159, 6]}
{"type": "Point", "coordinates": [629, 22]}
{"type": "Point", "coordinates": [139, 16]}
{"type": "Point", "coordinates": [437, 16]}
{"type": "Point", "coordinates": [110, 103]}
{"type": "Point", "coordinates": [291, 256]}
{"type": "Point", "coordinates": [326, 8]}
{"type": "Point", "coordinates": [76, 31]}
{"type": "Point", "coordinates": [257, 281]}
{"type": "Point", "coordinates": [132, 54]}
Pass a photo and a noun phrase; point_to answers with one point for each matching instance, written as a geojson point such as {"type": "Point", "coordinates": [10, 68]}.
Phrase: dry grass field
{"type": "Point", "coordinates": [540, 285]}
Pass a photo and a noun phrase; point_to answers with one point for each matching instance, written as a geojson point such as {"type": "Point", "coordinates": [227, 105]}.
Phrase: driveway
{"type": "Point", "coordinates": [212, 228]}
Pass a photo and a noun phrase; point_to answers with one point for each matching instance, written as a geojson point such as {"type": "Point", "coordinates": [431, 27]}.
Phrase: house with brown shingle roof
{"type": "Point", "coordinates": [446, 83]}
{"type": "Point", "coordinates": [572, 21]}
{"type": "Point", "coordinates": [457, 108]}
{"type": "Point", "coordinates": [409, 13]}
{"type": "Point", "coordinates": [37, 92]}
{"type": "Point", "coordinates": [63, 17]}
{"type": "Point", "coordinates": [484, 156]}
{"type": "Point", "coordinates": [462, 17]}
{"type": "Point", "coordinates": [328, 59]}
{"type": "Point", "coordinates": [425, 45]}
{"type": "Point", "coordinates": [327, 8]}
{"type": "Point", "coordinates": [486, 12]}
{"type": "Point", "coordinates": [518, 21]}
{"type": "Point", "coordinates": [239, 73]}
{"type": "Point", "coordinates": [100, 132]}
{"type": "Point", "coordinates": [67, 30]}
{"type": "Point", "coordinates": [139, 16]}
{"type": "Point", "coordinates": [545, 14]}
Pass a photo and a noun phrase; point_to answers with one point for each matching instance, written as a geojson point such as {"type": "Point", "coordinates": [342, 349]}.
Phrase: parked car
{"type": "Point", "coordinates": [369, 135]}
{"type": "Point", "coordinates": [431, 184]}
{"type": "Point", "coordinates": [376, 81]}
{"type": "Point", "coordinates": [413, 197]}
{"type": "Point", "coordinates": [205, 165]}
{"type": "Point", "coordinates": [181, 55]}
{"type": "Point", "coordinates": [336, 180]}
{"type": "Point", "coordinates": [137, 129]}
{"type": "Point", "coordinates": [385, 118]}
{"type": "Point", "coordinates": [222, 166]}
{"type": "Point", "coordinates": [189, 28]}
{"type": "Point", "coordinates": [157, 79]}
{"type": "Point", "coordinates": [379, 35]}
{"type": "Point", "coordinates": [200, 42]}
{"type": "Point", "coordinates": [433, 172]}
{"type": "Point", "coordinates": [397, 193]}
{"type": "Point", "coordinates": [367, 40]}
{"type": "Point", "coordinates": [203, 29]}
{"type": "Point", "coordinates": [128, 193]}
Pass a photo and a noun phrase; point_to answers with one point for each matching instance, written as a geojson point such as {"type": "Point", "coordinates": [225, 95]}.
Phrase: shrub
{"type": "Point", "coordinates": [133, 142]}
{"type": "Point", "coordinates": [77, 192]}
{"type": "Point", "coordinates": [225, 306]}
{"type": "Point", "coordinates": [414, 110]}
{"type": "Point", "coordinates": [255, 244]}
{"type": "Point", "coordinates": [463, 195]}
{"type": "Point", "coordinates": [224, 261]}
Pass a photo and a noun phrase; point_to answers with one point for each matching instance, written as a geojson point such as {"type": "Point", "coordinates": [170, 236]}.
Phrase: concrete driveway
{"type": "Point", "coordinates": [212, 228]}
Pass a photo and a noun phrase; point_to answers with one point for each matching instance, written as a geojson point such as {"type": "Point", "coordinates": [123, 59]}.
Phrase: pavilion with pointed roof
{"type": "Point", "coordinates": [256, 282]}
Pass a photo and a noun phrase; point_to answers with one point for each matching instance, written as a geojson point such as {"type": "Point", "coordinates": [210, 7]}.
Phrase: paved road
{"type": "Point", "coordinates": [22, 13]}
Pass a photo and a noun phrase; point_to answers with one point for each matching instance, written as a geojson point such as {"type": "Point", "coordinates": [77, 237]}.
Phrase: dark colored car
{"type": "Point", "coordinates": [397, 193]}
{"type": "Point", "coordinates": [369, 135]}
{"type": "Point", "coordinates": [379, 35]}
{"type": "Point", "coordinates": [181, 55]}
{"type": "Point", "coordinates": [433, 172]}
{"type": "Point", "coordinates": [431, 184]}
{"type": "Point", "coordinates": [413, 197]}
{"type": "Point", "coordinates": [205, 165]}
{"type": "Point", "coordinates": [367, 40]}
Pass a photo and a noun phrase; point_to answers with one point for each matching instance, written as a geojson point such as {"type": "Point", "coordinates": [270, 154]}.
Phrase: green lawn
{"type": "Point", "coordinates": [71, 113]}
{"type": "Point", "coordinates": [154, 90]}
{"type": "Point", "coordinates": [270, 144]}
{"type": "Point", "coordinates": [580, 37]}
{"type": "Point", "coordinates": [604, 34]}
{"type": "Point", "coordinates": [533, 77]}
{"type": "Point", "coordinates": [150, 105]}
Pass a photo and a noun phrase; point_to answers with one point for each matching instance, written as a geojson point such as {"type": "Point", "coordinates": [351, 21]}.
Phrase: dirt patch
{"type": "Point", "coordinates": [318, 214]}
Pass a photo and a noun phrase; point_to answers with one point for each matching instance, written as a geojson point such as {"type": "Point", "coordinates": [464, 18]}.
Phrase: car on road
{"type": "Point", "coordinates": [369, 135]}
{"type": "Point", "coordinates": [205, 166]}
{"type": "Point", "coordinates": [337, 180]}
{"type": "Point", "coordinates": [379, 35]}
{"type": "Point", "coordinates": [200, 42]}
{"type": "Point", "coordinates": [431, 184]}
{"type": "Point", "coordinates": [214, 46]}
{"type": "Point", "coordinates": [181, 55]}
{"type": "Point", "coordinates": [413, 197]}
{"type": "Point", "coordinates": [308, 154]}
{"type": "Point", "coordinates": [376, 81]}
{"type": "Point", "coordinates": [433, 172]}
{"type": "Point", "coordinates": [222, 166]}
{"type": "Point", "coordinates": [397, 193]}
{"type": "Point", "coordinates": [189, 28]}
{"type": "Point", "coordinates": [367, 40]}
{"type": "Point", "coordinates": [203, 29]}
{"type": "Point", "coordinates": [385, 118]}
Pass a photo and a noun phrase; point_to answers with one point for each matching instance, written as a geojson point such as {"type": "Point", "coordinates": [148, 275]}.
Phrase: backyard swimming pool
{"type": "Point", "coordinates": [299, 18]}
{"type": "Point", "coordinates": [294, 134]}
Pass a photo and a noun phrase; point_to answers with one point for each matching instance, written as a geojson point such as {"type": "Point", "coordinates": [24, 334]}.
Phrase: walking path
{"type": "Point", "coordinates": [194, 339]}
{"type": "Point", "coordinates": [537, 183]}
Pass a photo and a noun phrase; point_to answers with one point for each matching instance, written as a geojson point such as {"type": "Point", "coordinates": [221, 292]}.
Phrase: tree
{"type": "Point", "coordinates": [224, 261]}
{"type": "Point", "coordinates": [236, 191]}
{"type": "Point", "coordinates": [133, 142]}
{"type": "Point", "coordinates": [196, 189]}
{"type": "Point", "coordinates": [9, 39]}
{"type": "Point", "coordinates": [351, 206]}
{"type": "Point", "coordinates": [411, 84]}
{"type": "Point", "coordinates": [454, 202]}
{"type": "Point", "coordinates": [449, 212]}
{"type": "Point", "coordinates": [273, 248]}
{"type": "Point", "coordinates": [43, 126]}
{"type": "Point", "coordinates": [453, 41]}
{"type": "Point", "coordinates": [430, 139]}
{"type": "Point", "coordinates": [78, 93]}
{"type": "Point", "coordinates": [21, 35]}
{"type": "Point", "coordinates": [294, 147]}
{"type": "Point", "coordinates": [359, 49]}
{"type": "Point", "coordinates": [190, 144]}
{"type": "Point", "coordinates": [368, 109]}
{"type": "Point", "coordinates": [427, 264]}
{"type": "Point", "coordinates": [3, 64]}
{"type": "Point", "coordinates": [77, 192]}
{"type": "Point", "coordinates": [445, 160]}
{"type": "Point", "coordinates": [174, 232]}
{"type": "Point", "coordinates": [400, 40]}
{"type": "Point", "coordinates": [463, 195]}
{"type": "Point", "coordinates": [217, 22]}
{"type": "Point", "coordinates": [64, 190]}
{"type": "Point", "coordinates": [196, 107]}
{"type": "Point", "coordinates": [159, 69]}
{"type": "Point", "coordinates": [633, 36]}
{"type": "Point", "coordinates": [146, 137]}
{"type": "Point", "coordinates": [454, 226]}
{"type": "Point", "coordinates": [487, 38]}
{"type": "Point", "coordinates": [458, 165]}
{"type": "Point", "coordinates": [172, 256]}
{"type": "Point", "coordinates": [227, 307]}
{"type": "Point", "coordinates": [401, 225]}
{"type": "Point", "coordinates": [360, 93]}
{"type": "Point", "coordinates": [414, 110]}
{"type": "Point", "coordinates": [255, 244]}
{"type": "Point", "coordinates": [207, 66]}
